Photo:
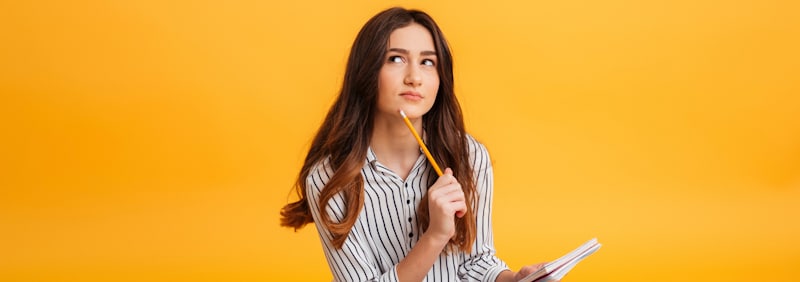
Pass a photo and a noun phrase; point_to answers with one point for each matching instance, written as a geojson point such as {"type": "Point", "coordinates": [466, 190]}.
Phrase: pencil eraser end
{"type": "Point", "coordinates": [402, 113]}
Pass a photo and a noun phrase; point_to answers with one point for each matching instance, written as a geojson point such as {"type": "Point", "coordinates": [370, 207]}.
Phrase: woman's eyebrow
{"type": "Point", "coordinates": [404, 51]}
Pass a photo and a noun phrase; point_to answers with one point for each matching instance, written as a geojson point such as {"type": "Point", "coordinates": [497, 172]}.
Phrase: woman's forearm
{"type": "Point", "coordinates": [420, 259]}
{"type": "Point", "coordinates": [506, 276]}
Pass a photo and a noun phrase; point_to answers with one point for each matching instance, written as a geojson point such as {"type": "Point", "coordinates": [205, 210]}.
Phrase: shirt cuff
{"type": "Point", "coordinates": [390, 276]}
{"type": "Point", "coordinates": [491, 274]}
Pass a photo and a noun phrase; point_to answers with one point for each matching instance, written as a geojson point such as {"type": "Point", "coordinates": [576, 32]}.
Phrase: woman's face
{"type": "Point", "coordinates": [408, 79]}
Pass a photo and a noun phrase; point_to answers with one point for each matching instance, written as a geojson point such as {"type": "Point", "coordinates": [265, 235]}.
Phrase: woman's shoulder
{"type": "Point", "coordinates": [319, 174]}
{"type": "Point", "coordinates": [475, 145]}
{"type": "Point", "coordinates": [476, 149]}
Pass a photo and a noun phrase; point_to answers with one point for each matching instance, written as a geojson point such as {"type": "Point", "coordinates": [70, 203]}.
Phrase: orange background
{"type": "Point", "coordinates": [153, 140]}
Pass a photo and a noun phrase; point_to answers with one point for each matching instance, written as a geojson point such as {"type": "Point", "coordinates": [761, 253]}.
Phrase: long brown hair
{"type": "Point", "coordinates": [344, 135]}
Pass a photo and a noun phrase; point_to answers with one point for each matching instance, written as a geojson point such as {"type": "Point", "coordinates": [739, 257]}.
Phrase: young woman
{"type": "Point", "coordinates": [381, 211]}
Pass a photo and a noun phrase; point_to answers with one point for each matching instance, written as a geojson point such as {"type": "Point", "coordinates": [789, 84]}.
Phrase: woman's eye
{"type": "Point", "coordinates": [428, 62]}
{"type": "Point", "coordinates": [395, 59]}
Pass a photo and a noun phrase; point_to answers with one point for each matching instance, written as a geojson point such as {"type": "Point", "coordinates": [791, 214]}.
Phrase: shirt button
{"type": "Point", "coordinates": [409, 219]}
{"type": "Point", "coordinates": [408, 201]}
{"type": "Point", "coordinates": [406, 185]}
{"type": "Point", "coordinates": [410, 235]}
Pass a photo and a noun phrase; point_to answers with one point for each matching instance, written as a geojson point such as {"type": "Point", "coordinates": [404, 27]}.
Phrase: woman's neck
{"type": "Point", "coordinates": [394, 145]}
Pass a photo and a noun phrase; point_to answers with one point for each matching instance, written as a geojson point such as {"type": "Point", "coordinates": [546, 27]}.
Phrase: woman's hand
{"type": "Point", "coordinates": [445, 201]}
{"type": "Point", "coordinates": [527, 270]}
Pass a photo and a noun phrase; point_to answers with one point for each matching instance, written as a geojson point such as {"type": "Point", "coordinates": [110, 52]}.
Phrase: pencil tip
{"type": "Point", "coordinates": [402, 113]}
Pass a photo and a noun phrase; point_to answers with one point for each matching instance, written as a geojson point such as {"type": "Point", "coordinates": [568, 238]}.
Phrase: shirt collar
{"type": "Point", "coordinates": [371, 157]}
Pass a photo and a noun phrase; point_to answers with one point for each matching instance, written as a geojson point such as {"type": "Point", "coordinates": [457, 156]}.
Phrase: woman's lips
{"type": "Point", "coordinates": [411, 95]}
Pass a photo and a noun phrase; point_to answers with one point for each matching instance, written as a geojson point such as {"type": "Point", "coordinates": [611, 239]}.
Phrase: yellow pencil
{"type": "Point", "coordinates": [421, 144]}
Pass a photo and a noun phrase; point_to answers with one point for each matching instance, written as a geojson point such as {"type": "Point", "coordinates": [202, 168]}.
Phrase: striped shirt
{"type": "Point", "coordinates": [386, 228]}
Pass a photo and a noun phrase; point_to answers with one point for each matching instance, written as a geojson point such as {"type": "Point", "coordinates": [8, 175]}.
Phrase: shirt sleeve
{"type": "Point", "coordinates": [482, 264]}
{"type": "Point", "coordinates": [353, 262]}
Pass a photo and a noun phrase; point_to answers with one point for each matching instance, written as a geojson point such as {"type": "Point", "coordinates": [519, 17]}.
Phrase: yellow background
{"type": "Point", "coordinates": [157, 140]}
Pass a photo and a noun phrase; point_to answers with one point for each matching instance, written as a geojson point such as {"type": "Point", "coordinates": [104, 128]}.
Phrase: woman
{"type": "Point", "coordinates": [381, 211]}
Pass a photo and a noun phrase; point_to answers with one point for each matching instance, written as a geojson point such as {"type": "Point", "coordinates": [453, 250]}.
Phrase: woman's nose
{"type": "Point", "coordinates": [413, 77]}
